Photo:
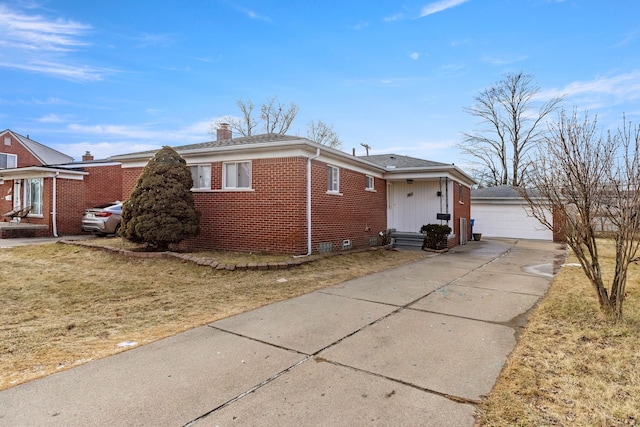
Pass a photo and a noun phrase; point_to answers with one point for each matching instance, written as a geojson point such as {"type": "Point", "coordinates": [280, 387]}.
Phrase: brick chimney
{"type": "Point", "coordinates": [223, 132]}
{"type": "Point", "coordinates": [87, 157]}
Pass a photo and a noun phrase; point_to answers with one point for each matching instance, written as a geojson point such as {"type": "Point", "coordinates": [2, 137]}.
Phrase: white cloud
{"type": "Point", "coordinates": [40, 44]}
{"type": "Point", "coordinates": [54, 118]}
{"type": "Point", "coordinates": [37, 33]}
{"type": "Point", "coordinates": [253, 15]}
{"type": "Point", "coordinates": [59, 69]}
{"type": "Point", "coordinates": [494, 60]}
{"type": "Point", "coordinates": [162, 40]}
{"type": "Point", "coordinates": [439, 6]}
{"type": "Point", "coordinates": [361, 25]}
{"type": "Point", "coordinates": [188, 134]}
{"type": "Point", "coordinates": [439, 151]}
{"type": "Point", "coordinates": [106, 140]}
{"type": "Point", "coordinates": [414, 55]}
{"type": "Point", "coordinates": [102, 149]}
{"type": "Point", "coordinates": [395, 17]}
{"type": "Point", "coordinates": [602, 90]}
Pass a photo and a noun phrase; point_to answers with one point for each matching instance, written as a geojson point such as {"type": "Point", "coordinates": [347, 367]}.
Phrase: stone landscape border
{"type": "Point", "coordinates": [208, 262]}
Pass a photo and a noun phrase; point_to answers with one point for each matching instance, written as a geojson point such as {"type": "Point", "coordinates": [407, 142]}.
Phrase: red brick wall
{"type": "Point", "coordinates": [354, 215]}
{"type": "Point", "coordinates": [25, 158]}
{"type": "Point", "coordinates": [70, 206]}
{"type": "Point", "coordinates": [461, 209]}
{"type": "Point", "coordinates": [129, 179]}
{"type": "Point", "coordinates": [273, 217]}
{"type": "Point", "coordinates": [102, 185]}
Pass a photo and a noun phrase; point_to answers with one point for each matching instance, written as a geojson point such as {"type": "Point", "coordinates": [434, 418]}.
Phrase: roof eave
{"type": "Point", "coordinates": [40, 172]}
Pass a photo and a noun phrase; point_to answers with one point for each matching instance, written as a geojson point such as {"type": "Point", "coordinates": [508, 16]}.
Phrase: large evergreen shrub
{"type": "Point", "coordinates": [160, 210]}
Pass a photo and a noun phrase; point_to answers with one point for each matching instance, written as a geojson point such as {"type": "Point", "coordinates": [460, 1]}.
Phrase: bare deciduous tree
{"type": "Point", "coordinates": [511, 129]}
{"type": "Point", "coordinates": [323, 134]}
{"type": "Point", "coordinates": [592, 181]}
{"type": "Point", "coordinates": [274, 118]}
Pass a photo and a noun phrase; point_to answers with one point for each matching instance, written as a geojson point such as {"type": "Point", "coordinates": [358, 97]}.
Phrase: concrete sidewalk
{"type": "Point", "coordinates": [416, 345]}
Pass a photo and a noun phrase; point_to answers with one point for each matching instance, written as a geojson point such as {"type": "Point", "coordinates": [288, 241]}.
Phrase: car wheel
{"type": "Point", "coordinates": [117, 230]}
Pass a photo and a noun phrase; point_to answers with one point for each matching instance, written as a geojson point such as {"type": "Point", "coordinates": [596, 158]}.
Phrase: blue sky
{"type": "Point", "coordinates": [117, 76]}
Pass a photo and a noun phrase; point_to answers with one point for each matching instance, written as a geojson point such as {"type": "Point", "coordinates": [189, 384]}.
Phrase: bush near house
{"type": "Point", "coordinates": [160, 210]}
{"type": "Point", "coordinates": [435, 236]}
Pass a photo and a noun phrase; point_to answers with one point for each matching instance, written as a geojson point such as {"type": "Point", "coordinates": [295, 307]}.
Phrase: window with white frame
{"type": "Point", "coordinates": [333, 179]}
{"type": "Point", "coordinates": [236, 175]}
{"type": "Point", "coordinates": [201, 175]}
{"type": "Point", "coordinates": [8, 161]}
{"type": "Point", "coordinates": [7, 140]}
{"type": "Point", "coordinates": [33, 194]}
{"type": "Point", "coordinates": [370, 182]}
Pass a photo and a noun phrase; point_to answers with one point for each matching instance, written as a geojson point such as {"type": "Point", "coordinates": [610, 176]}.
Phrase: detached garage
{"type": "Point", "coordinates": [501, 212]}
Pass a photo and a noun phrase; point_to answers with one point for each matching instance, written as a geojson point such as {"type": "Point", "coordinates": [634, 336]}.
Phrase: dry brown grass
{"type": "Point", "coordinates": [572, 366]}
{"type": "Point", "coordinates": [64, 305]}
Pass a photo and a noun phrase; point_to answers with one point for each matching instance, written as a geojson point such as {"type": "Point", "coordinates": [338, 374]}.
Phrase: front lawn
{"type": "Point", "coordinates": [64, 305]}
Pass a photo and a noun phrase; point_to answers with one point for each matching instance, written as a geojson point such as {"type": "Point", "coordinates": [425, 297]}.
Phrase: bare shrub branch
{"type": "Point", "coordinates": [591, 182]}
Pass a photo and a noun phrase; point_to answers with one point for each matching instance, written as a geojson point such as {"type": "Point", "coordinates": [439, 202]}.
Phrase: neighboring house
{"type": "Point", "coordinates": [56, 189]}
{"type": "Point", "coordinates": [271, 193]}
{"type": "Point", "coordinates": [502, 212]}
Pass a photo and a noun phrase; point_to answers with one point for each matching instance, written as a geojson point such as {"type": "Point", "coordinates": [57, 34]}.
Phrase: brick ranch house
{"type": "Point", "coordinates": [286, 194]}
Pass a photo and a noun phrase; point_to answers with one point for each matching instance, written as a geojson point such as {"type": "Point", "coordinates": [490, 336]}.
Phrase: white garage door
{"type": "Point", "coordinates": [511, 221]}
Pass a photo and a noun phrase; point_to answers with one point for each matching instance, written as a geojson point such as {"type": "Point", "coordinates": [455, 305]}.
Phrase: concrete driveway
{"type": "Point", "coordinates": [416, 345]}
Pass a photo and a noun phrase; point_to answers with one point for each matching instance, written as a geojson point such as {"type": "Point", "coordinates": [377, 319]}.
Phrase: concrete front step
{"type": "Point", "coordinates": [407, 240]}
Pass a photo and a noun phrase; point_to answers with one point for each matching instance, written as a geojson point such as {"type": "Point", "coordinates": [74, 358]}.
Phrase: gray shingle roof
{"type": "Point", "coordinates": [233, 142]}
{"type": "Point", "coordinates": [497, 192]}
{"type": "Point", "coordinates": [400, 161]}
{"type": "Point", "coordinates": [245, 140]}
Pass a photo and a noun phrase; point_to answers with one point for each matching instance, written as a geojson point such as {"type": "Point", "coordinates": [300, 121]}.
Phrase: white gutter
{"type": "Point", "coordinates": [309, 159]}
{"type": "Point", "coordinates": [54, 205]}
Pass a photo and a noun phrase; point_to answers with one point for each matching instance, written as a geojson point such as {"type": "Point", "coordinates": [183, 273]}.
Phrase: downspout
{"type": "Point", "coordinates": [309, 159]}
{"type": "Point", "coordinates": [54, 205]}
